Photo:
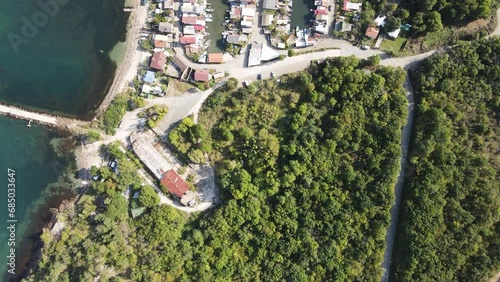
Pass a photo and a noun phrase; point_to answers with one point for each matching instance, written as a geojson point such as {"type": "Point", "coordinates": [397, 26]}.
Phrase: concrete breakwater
{"type": "Point", "coordinates": [27, 115]}
{"type": "Point", "coordinates": [64, 123]}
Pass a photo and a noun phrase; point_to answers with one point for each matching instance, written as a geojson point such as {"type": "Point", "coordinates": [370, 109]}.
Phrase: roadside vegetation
{"type": "Point", "coordinates": [450, 220]}
{"type": "Point", "coordinates": [306, 168]}
{"type": "Point", "coordinates": [123, 102]}
{"type": "Point", "coordinates": [154, 114]}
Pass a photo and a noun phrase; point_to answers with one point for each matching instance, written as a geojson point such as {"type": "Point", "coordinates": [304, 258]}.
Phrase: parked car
{"type": "Point", "coordinates": [273, 74]}
{"type": "Point", "coordinates": [330, 8]}
{"type": "Point", "coordinates": [259, 76]}
{"type": "Point", "coordinates": [246, 83]}
{"type": "Point", "coordinates": [365, 47]}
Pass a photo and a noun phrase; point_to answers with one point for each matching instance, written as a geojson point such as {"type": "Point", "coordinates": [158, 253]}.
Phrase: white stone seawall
{"type": "Point", "coordinates": [27, 115]}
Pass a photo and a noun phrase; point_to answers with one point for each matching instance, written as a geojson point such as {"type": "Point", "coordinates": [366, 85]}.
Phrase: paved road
{"type": "Point", "coordinates": [391, 232]}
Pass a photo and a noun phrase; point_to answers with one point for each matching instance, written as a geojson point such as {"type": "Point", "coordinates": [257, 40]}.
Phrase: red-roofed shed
{"type": "Point", "coordinates": [372, 32]}
{"type": "Point", "coordinates": [321, 12]}
{"type": "Point", "coordinates": [174, 183]}
{"type": "Point", "coordinates": [199, 27]}
{"type": "Point", "coordinates": [202, 75]}
{"type": "Point", "coordinates": [188, 39]}
{"type": "Point", "coordinates": [189, 20]}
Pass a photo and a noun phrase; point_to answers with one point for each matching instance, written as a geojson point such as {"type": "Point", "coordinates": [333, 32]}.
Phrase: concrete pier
{"type": "Point", "coordinates": [27, 115]}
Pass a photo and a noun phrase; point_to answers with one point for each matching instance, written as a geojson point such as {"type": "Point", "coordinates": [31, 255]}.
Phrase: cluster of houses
{"type": "Point", "coordinates": [374, 30]}
{"type": "Point", "coordinates": [194, 18]}
{"type": "Point", "coordinates": [322, 16]}
{"type": "Point", "coordinates": [275, 21]}
{"type": "Point", "coordinates": [349, 10]}
{"type": "Point", "coordinates": [238, 25]}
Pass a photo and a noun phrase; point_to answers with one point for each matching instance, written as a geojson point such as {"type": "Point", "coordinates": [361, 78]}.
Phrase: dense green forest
{"type": "Point", "coordinates": [306, 166]}
{"type": "Point", "coordinates": [450, 221]}
{"type": "Point", "coordinates": [428, 15]}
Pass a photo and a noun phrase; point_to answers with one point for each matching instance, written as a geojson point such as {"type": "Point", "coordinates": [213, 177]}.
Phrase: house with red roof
{"type": "Point", "coordinates": [158, 61]}
{"type": "Point", "coordinates": [189, 20]}
{"type": "Point", "coordinates": [199, 27]}
{"type": "Point", "coordinates": [187, 39]}
{"type": "Point", "coordinates": [215, 58]}
{"type": "Point", "coordinates": [372, 32]}
{"type": "Point", "coordinates": [202, 75]}
{"type": "Point", "coordinates": [321, 12]}
{"type": "Point", "coordinates": [174, 183]}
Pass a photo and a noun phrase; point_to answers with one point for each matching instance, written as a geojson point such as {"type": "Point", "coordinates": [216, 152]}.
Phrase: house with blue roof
{"type": "Point", "coordinates": [149, 77]}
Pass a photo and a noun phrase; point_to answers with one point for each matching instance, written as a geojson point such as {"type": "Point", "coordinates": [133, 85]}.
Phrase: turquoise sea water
{"type": "Point", "coordinates": [27, 151]}
{"type": "Point", "coordinates": [63, 67]}
{"type": "Point", "coordinates": [60, 64]}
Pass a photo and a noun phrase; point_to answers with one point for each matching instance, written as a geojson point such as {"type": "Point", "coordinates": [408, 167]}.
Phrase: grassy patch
{"type": "Point", "coordinates": [392, 45]}
{"type": "Point", "coordinates": [177, 87]}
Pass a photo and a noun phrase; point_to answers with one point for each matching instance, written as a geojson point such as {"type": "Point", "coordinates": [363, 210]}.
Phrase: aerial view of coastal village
{"type": "Point", "coordinates": [250, 140]}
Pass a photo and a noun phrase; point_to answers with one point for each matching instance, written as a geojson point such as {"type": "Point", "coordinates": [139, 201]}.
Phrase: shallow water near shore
{"type": "Point", "coordinates": [28, 152]}
{"type": "Point", "coordinates": [65, 67]}
{"type": "Point", "coordinates": [56, 58]}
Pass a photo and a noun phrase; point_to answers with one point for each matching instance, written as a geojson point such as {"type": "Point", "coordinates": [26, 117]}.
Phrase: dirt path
{"type": "Point", "coordinates": [496, 31]}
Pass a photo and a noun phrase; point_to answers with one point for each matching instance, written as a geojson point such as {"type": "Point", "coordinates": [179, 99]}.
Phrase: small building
{"type": "Point", "coordinates": [281, 21]}
{"type": "Point", "coordinates": [192, 8]}
{"type": "Point", "coordinates": [322, 17]}
{"type": "Point", "coordinates": [166, 27]}
{"type": "Point", "coordinates": [372, 32]}
{"type": "Point", "coordinates": [380, 21]}
{"type": "Point", "coordinates": [174, 183]}
{"type": "Point", "coordinates": [137, 212]}
{"type": "Point", "coordinates": [321, 29]}
{"type": "Point", "coordinates": [267, 19]}
{"type": "Point", "coordinates": [199, 28]}
{"type": "Point", "coordinates": [200, 21]}
{"type": "Point", "coordinates": [155, 90]}
{"type": "Point", "coordinates": [202, 75]}
{"type": "Point", "coordinates": [187, 39]}
{"type": "Point", "coordinates": [162, 41]}
{"type": "Point", "coordinates": [235, 13]}
{"type": "Point", "coordinates": [343, 26]}
{"type": "Point", "coordinates": [189, 20]}
{"type": "Point", "coordinates": [321, 11]}
{"type": "Point", "coordinates": [394, 34]}
{"type": "Point", "coordinates": [149, 77]}
{"type": "Point", "coordinates": [188, 30]}
{"type": "Point", "coordinates": [168, 5]}
{"type": "Point", "coordinates": [158, 61]}
{"type": "Point", "coordinates": [351, 6]}
{"type": "Point", "coordinates": [177, 61]}
{"type": "Point", "coordinates": [248, 12]}
{"type": "Point", "coordinates": [270, 4]}
{"type": "Point", "coordinates": [233, 39]}
{"type": "Point", "coordinates": [215, 58]}
{"type": "Point", "coordinates": [218, 75]}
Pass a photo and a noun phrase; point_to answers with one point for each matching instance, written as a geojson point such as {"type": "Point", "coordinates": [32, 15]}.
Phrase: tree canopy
{"type": "Point", "coordinates": [449, 227]}
{"type": "Point", "coordinates": [306, 169]}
